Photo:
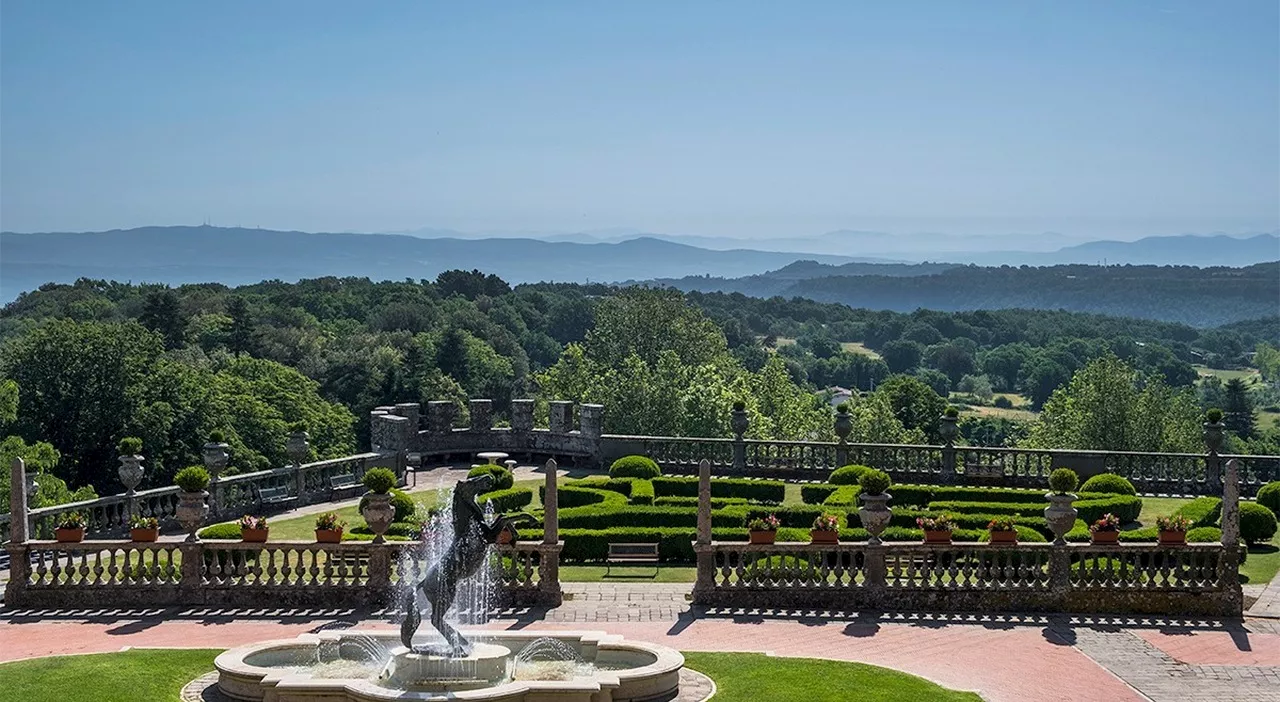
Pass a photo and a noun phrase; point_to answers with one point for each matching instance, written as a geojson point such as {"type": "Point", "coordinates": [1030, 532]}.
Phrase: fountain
{"type": "Point", "coordinates": [362, 666]}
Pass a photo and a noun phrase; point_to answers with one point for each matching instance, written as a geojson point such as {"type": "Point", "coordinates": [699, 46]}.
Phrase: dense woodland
{"type": "Point", "coordinates": [84, 365]}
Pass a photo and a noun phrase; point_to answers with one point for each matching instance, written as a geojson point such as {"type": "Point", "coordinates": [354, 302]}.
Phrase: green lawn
{"type": "Point", "coordinates": [1249, 375]}
{"type": "Point", "coordinates": [140, 674]}
{"type": "Point", "coordinates": [1153, 507]}
{"type": "Point", "coordinates": [858, 347]}
{"type": "Point", "coordinates": [628, 574]}
{"type": "Point", "coordinates": [747, 677]}
{"type": "Point", "coordinates": [158, 675]}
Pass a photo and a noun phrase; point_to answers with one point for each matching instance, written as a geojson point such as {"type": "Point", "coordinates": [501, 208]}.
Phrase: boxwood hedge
{"type": "Point", "coordinates": [641, 492]}
{"type": "Point", "coordinates": [774, 491]}
{"type": "Point", "coordinates": [509, 500]}
{"type": "Point", "coordinates": [716, 502]}
{"type": "Point", "coordinates": [816, 494]}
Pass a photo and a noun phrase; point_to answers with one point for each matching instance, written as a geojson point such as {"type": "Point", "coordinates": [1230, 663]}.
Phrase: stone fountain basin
{"type": "Point", "coordinates": [275, 671]}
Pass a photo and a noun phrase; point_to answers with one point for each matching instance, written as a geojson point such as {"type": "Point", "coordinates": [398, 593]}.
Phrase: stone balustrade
{"type": "Point", "coordinates": [92, 574]}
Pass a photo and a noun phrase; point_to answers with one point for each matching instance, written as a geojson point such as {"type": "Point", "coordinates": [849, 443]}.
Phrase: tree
{"type": "Point", "coordinates": [470, 284]}
{"type": "Point", "coordinates": [913, 402]}
{"type": "Point", "coordinates": [935, 379]}
{"type": "Point", "coordinates": [1266, 358]}
{"type": "Point", "coordinates": [1237, 409]}
{"type": "Point", "coordinates": [39, 458]}
{"type": "Point", "coordinates": [901, 356]}
{"type": "Point", "coordinates": [978, 386]}
{"type": "Point", "coordinates": [951, 359]}
{"type": "Point", "coordinates": [646, 322]}
{"type": "Point", "coordinates": [162, 313]}
{"type": "Point", "coordinates": [8, 401]}
{"type": "Point", "coordinates": [1003, 365]}
{"type": "Point", "coordinates": [241, 334]}
{"type": "Point", "coordinates": [1040, 378]}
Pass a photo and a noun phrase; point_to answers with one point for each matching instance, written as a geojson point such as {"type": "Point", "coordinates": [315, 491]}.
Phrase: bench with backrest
{"type": "Point", "coordinates": [342, 481]}
{"type": "Point", "coordinates": [632, 554]}
{"type": "Point", "coordinates": [275, 497]}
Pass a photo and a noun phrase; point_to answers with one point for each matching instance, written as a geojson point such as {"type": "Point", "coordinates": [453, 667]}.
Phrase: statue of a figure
{"type": "Point", "coordinates": [472, 535]}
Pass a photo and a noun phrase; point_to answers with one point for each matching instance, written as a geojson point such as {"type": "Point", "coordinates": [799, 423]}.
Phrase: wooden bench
{"type": "Point", "coordinates": [341, 482]}
{"type": "Point", "coordinates": [632, 554]}
{"type": "Point", "coordinates": [275, 496]}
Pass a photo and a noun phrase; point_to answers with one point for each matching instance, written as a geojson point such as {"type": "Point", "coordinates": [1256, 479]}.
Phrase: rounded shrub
{"type": "Point", "coordinates": [1109, 483]}
{"type": "Point", "coordinates": [847, 475]}
{"type": "Point", "coordinates": [217, 437]}
{"type": "Point", "coordinates": [634, 467]}
{"type": "Point", "coordinates": [192, 479]}
{"type": "Point", "coordinates": [1269, 496]}
{"type": "Point", "coordinates": [874, 482]}
{"type": "Point", "coordinates": [129, 446]}
{"type": "Point", "coordinates": [739, 405]}
{"type": "Point", "coordinates": [379, 480]}
{"type": "Point", "coordinates": [951, 412]}
{"type": "Point", "coordinates": [1257, 523]}
{"type": "Point", "coordinates": [297, 427]}
{"type": "Point", "coordinates": [1003, 402]}
{"type": "Point", "coordinates": [1063, 480]}
{"type": "Point", "coordinates": [502, 478]}
{"type": "Point", "coordinates": [1213, 416]}
{"type": "Point", "coordinates": [405, 506]}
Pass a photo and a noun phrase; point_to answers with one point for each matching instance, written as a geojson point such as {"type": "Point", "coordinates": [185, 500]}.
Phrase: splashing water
{"type": "Point", "coordinates": [549, 659]}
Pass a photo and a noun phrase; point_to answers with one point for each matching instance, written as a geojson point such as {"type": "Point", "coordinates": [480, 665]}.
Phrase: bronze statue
{"type": "Point", "coordinates": [472, 535]}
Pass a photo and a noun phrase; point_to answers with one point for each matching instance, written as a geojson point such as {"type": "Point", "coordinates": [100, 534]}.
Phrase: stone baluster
{"type": "Point", "coordinates": [481, 414]}
{"type": "Point", "coordinates": [522, 415]}
{"type": "Point", "coordinates": [560, 416]}
{"type": "Point", "coordinates": [704, 586]}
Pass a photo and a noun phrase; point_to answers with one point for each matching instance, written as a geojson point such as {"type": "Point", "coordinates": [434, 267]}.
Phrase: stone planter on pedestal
{"type": "Point", "coordinates": [378, 513]}
{"type": "Point", "coordinates": [1213, 436]}
{"type": "Point", "coordinates": [874, 515]}
{"type": "Point", "coordinates": [215, 458]}
{"type": "Point", "coordinates": [739, 423]}
{"type": "Point", "coordinates": [298, 446]}
{"type": "Point", "coordinates": [947, 429]}
{"type": "Point", "coordinates": [191, 512]}
{"type": "Point", "coordinates": [843, 424]}
{"type": "Point", "coordinates": [130, 471]}
{"type": "Point", "coordinates": [1060, 515]}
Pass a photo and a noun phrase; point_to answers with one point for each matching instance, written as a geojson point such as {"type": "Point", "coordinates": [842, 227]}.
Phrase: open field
{"type": "Point", "coordinates": [1250, 375]}
{"type": "Point", "coordinates": [857, 347]}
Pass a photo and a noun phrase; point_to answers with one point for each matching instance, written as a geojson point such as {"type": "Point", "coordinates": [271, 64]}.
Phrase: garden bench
{"type": "Point", "coordinates": [632, 554]}
{"type": "Point", "coordinates": [275, 496]}
{"type": "Point", "coordinates": [341, 482]}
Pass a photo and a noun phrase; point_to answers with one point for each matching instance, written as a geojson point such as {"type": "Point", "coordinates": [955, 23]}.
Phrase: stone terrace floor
{"type": "Point", "coordinates": [1006, 658]}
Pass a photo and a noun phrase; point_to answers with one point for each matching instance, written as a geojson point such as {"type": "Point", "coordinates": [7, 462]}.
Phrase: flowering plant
{"type": "Point", "coordinates": [826, 522]}
{"type": "Point", "coordinates": [769, 523]}
{"type": "Point", "coordinates": [1109, 522]}
{"type": "Point", "coordinates": [138, 521]}
{"type": "Point", "coordinates": [1001, 524]}
{"type": "Point", "coordinates": [1175, 523]}
{"type": "Point", "coordinates": [329, 522]}
{"type": "Point", "coordinates": [249, 521]}
{"type": "Point", "coordinates": [73, 520]}
{"type": "Point", "coordinates": [942, 522]}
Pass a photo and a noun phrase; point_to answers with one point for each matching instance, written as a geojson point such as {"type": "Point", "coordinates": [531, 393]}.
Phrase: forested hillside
{"type": "Point", "coordinates": [84, 365]}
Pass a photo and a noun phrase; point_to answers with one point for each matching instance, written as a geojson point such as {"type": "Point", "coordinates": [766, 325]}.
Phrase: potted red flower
{"type": "Point", "coordinates": [1106, 530]}
{"type": "Point", "coordinates": [826, 529]}
{"type": "Point", "coordinates": [1001, 531]}
{"type": "Point", "coordinates": [70, 529]}
{"type": "Point", "coordinates": [144, 529]}
{"type": "Point", "coordinates": [253, 529]}
{"type": "Point", "coordinates": [507, 535]}
{"type": "Point", "coordinates": [763, 530]}
{"type": "Point", "coordinates": [1173, 530]}
{"type": "Point", "coordinates": [329, 528]}
{"type": "Point", "coordinates": [937, 530]}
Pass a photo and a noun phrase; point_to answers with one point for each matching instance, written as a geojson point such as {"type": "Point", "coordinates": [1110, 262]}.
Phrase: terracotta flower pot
{"type": "Point", "coordinates": [505, 536]}
{"type": "Point", "coordinates": [325, 536]}
{"type": "Point", "coordinates": [1173, 538]}
{"type": "Point", "coordinates": [937, 536]}
{"type": "Point", "coordinates": [1003, 537]}
{"type": "Point", "coordinates": [768, 536]}
{"type": "Point", "coordinates": [144, 535]}
{"type": "Point", "coordinates": [824, 537]}
{"type": "Point", "coordinates": [255, 536]}
{"type": "Point", "coordinates": [1104, 537]}
{"type": "Point", "coordinates": [69, 536]}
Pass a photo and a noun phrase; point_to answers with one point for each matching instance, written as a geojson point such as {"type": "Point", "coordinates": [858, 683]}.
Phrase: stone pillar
{"type": "Point", "coordinates": [739, 423]}
{"type": "Point", "coordinates": [522, 415]}
{"type": "Point", "coordinates": [591, 420]}
{"type": "Point", "coordinates": [481, 415]}
{"type": "Point", "coordinates": [704, 502]}
{"type": "Point", "coordinates": [705, 552]}
{"type": "Point", "coordinates": [411, 411]}
{"type": "Point", "coordinates": [873, 567]}
{"type": "Point", "coordinates": [549, 574]}
{"type": "Point", "coordinates": [19, 573]}
{"type": "Point", "coordinates": [189, 576]}
{"type": "Point", "coordinates": [560, 416]}
{"type": "Point", "coordinates": [19, 520]}
{"type": "Point", "coordinates": [1060, 575]}
{"type": "Point", "coordinates": [380, 568]}
{"type": "Point", "coordinates": [551, 506]}
{"type": "Point", "coordinates": [948, 429]}
{"type": "Point", "coordinates": [440, 416]}
{"type": "Point", "coordinates": [1229, 566]}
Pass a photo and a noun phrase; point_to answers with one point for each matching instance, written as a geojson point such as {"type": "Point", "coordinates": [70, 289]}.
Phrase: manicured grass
{"type": "Point", "coordinates": [628, 574]}
{"type": "Point", "coordinates": [1249, 375]}
{"type": "Point", "coordinates": [303, 527]}
{"type": "Point", "coordinates": [1263, 563]}
{"type": "Point", "coordinates": [1153, 507]}
{"type": "Point", "coordinates": [748, 677]}
{"type": "Point", "coordinates": [140, 674]}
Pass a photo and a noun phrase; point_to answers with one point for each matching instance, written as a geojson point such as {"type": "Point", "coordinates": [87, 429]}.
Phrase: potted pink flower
{"type": "Point", "coordinates": [937, 530]}
{"type": "Point", "coordinates": [763, 530]}
{"type": "Point", "coordinates": [1173, 530]}
{"type": "Point", "coordinates": [144, 529]}
{"type": "Point", "coordinates": [1106, 530]}
{"type": "Point", "coordinates": [70, 528]}
{"type": "Point", "coordinates": [253, 529]}
{"type": "Point", "coordinates": [329, 528]}
{"type": "Point", "coordinates": [1001, 531]}
{"type": "Point", "coordinates": [826, 529]}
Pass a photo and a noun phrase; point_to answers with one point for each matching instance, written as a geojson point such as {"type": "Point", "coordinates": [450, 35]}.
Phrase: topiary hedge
{"type": "Point", "coordinates": [1109, 483]}
{"type": "Point", "coordinates": [1269, 496]}
{"type": "Point", "coordinates": [502, 478]}
{"type": "Point", "coordinates": [221, 531]}
{"type": "Point", "coordinates": [1202, 511]}
{"type": "Point", "coordinates": [846, 496]}
{"type": "Point", "coordinates": [1257, 523]}
{"type": "Point", "coordinates": [621, 486]}
{"type": "Point", "coordinates": [634, 467]}
{"type": "Point", "coordinates": [509, 500]}
{"type": "Point", "coordinates": [641, 492]}
{"type": "Point", "coordinates": [848, 475]}
{"type": "Point", "coordinates": [716, 502]}
{"type": "Point", "coordinates": [404, 530]}
{"type": "Point", "coordinates": [816, 494]}
{"type": "Point", "coordinates": [774, 491]}
{"type": "Point", "coordinates": [1126, 508]}
{"type": "Point", "coordinates": [574, 496]}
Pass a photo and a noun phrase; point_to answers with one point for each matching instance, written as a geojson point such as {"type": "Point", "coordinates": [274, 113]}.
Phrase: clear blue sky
{"type": "Point", "coordinates": [722, 118]}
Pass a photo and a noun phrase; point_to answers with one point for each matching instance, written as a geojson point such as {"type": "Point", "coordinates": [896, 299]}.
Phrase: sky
{"type": "Point", "coordinates": [717, 118]}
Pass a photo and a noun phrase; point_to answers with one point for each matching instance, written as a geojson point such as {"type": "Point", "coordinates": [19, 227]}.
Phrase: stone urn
{"type": "Point", "coordinates": [1213, 436]}
{"type": "Point", "coordinates": [874, 515]}
{"type": "Point", "coordinates": [947, 429]}
{"type": "Point", "coordinates": [1060, 515]}
{"type": "Point", "coordinates": [215, 457]}
{"type": "Point", "coordinates": [378, 513]}
{"type": "Point", "coordinates": [739, 423]}
{"type": "Point", "coordinates": [298, 446]}
{"type": "Point", "coordinates": [844, 423]}
{"type": "Point", "coordinates": [191, 512]}
{"type": "Point", "coordinates": [130, 471]}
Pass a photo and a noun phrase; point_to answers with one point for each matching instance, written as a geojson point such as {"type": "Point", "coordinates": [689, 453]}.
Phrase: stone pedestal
{"type": "Point", "coordinates": [522, 415]}
{"type": "Point", "coordinates": [481, 414]}
{"type": "Point", "coordinates": [560, 416]}
{"type": "Point", "coordinates": [425, 672]}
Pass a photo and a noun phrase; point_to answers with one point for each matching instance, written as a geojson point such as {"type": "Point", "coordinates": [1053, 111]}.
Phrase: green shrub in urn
{"type": "Point", "coordinates": [874, 482]}
{"type": "Point", "coordinates": [379, 480]}
{"type": "Point", "coordinates": [129, 446]}
{"type": "Point", "coordinates": [1213, 416]}
{"type": "Point", "coordinates": [192, 479]}
{"type": "Point", "coordinates": [1063, 481]}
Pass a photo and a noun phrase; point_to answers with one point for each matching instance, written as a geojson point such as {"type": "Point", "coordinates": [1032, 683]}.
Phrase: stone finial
{"type": "Point", "coordinates": [1231, 505]}
{"type": "Point", "coordinates": [18, 501]}
{"type": "Point", "coordinates": [481, 414]}
{"type": "Point", "coordinates": [591, 420]}
{"type": "Point", "coordinates": [704, 502]}
{"type": "Point", "coordinates": [551, 505]}
{"type": "Point", "coordinates": [522, 415]}
{"type": "Point", "coordinates": [560, 416]}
